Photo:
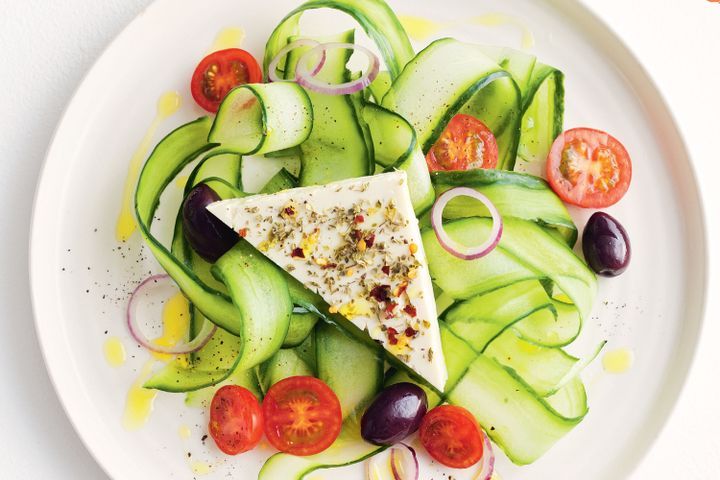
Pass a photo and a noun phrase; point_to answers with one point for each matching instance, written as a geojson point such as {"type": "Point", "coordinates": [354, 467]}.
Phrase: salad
{"type": "Point", "coordinates": [401, 276]}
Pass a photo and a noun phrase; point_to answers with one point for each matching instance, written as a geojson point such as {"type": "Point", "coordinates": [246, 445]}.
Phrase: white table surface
{"type": "Point", "coordinates": [46, 47]}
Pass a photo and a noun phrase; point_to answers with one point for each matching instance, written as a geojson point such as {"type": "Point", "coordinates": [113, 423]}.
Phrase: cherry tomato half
{"type": "Point", "coordinates": [220, 72]}
{"type": "Point", "coordinates": [302, 416]}
{"type": "Point", "coordinates": [589, 168]}
{"type": "Point", "coordinates": [235, 420]}
{"type": "Point", "coordinates": [451, 436]}
{"type": "Point", "coordinates": [466, 143]}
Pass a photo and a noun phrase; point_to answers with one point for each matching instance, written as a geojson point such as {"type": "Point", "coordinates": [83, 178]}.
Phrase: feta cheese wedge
{"type": "Point", "coordinates": [357, 244]}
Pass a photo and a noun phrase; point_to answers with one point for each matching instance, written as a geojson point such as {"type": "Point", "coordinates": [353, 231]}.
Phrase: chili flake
{"type": "Point", "coordinates": [392, 336]}
{"type": "Point", "coordinates": [410, 310]}
{"type": "Point", "coordinates": [298, 253]}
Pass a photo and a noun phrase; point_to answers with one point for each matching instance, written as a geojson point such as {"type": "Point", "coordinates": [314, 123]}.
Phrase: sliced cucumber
{"type": "Point", "coordinates": [262, 118]}
{"type": "Point", "coordinates": [380, 86]}
{"type": "Point", "coordinates": [549, 329]}
{"type": "Point", "coordinates": [336, 149]}
{"type": "Point", "coordinates": [301, 326]}
{"type": "Point", "coordinates": [545, 253]}
{"type": "Point", "coordinates": [543, 100]}
{"type": "Point", "coordinates": [170, 156]}
{"type": "Point", "coordinates": [525, 252]}
{"type": "Point", "coordinates": [516, 418]}
{"type": "Point", "coordinates": [216, 360]}
{"type": "Point", "coordinates": [542, 368]}
{"type": "Point", "coordinates": [261, 297]}
{"type": "Point", "coordinates": [374, 16]}
{"type": "Point", "coordinates": [286, 153]}
{"type": "Point", "coordinates": [463, 279]}
{"type": "Point", "coordinates": [571, 400]}
{"type": "Point", "coordinates": [514, 194]}
{"type": "Point", "coordinates": [450, 77]}
{"type": "Point", "coordinates": [543, 113]}
{"type": "Point", "coordinates": [482, 318]}
{"type": "Point", "coordinates": [307, 352]}
{"type": "Point", "coordinates": [396, 147]}
{"type": "Point", "coordinates": [349, 448]}
{"type": "Point", "coordinates": [460, 357]}
{"type": "Point", "coordinates": [338, 354]}
{"type": "Point", "coordinates": [285, 363]}
{"type": "Point", "coordinates": [283, 180]}
{"type": "Point", "coordinates": [243, 378]}
{"type": "Point", "coordinates": [177, 376]}
{"type": "Point", "coordinates": [517, 63]}
{"type": "Point", "coordinates": [217, 164]}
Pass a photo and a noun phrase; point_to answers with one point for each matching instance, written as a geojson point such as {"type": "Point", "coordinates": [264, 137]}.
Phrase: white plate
{"type": "Point", "coordinates": [81, 277]}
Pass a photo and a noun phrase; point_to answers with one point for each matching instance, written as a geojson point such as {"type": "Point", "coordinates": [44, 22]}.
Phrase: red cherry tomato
{"type": "Point", "coordinates": [220, 72]}
{"type": "Point", "coordinates": [235, 420]}
{"type": "Point", "coordinates": [451, 436]}
{"type": "Point", "coordinates": [466, 143]}
{"type": "Point", "coordinates": [589, 168]}
{"type": "Point", "coordinates": [302, 416]}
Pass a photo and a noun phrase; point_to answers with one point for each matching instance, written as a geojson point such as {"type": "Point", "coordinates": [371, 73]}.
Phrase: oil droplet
{"type": "Point", "coordinates": [114, 352]}
{"type": "Point", "coordinates": [230, 37]}
{"type": "Point", "coordinates": [167, 105]}
{"type": "Point", "coordinates": [200, 468]}
{"type": "Point", "coordinates": [499, 19]}
{"type": "Point", "coordinates": [175, 320]}
{"type": "Point", "coordinates": [184, 432]}
{"type": "Point", "coordinates": [420, 28]}
{"type": "Point", "coordinates": [618, 361]}
{"type": "Point", "coordinates": [139, 401]}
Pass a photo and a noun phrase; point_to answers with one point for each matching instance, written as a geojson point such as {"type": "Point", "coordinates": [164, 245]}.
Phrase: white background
{"type": "Point", "coordinates": [45, 48]}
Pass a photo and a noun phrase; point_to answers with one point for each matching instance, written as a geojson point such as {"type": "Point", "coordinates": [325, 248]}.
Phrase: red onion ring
{"type": "Point", "coordinates": [307, 79]}
{"type": "Point", "coordinates": [200, 340]}
{"type": "Point", "coordinates": [400, 461]}
{"type": "Point", "coordinates": [404, 462]}
{"type": "Point", "coordinates": [454, 248]}
{"type": "Point", "coordinates": [303, 42]}
{"type": "Point", "coordinates": [487, 464]}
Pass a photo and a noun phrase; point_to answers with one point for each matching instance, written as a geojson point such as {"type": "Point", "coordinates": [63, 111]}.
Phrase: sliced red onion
{"type": "Point", "coordinates": [404, 462]}
{"type": "Point", "coordinates": [303, 42]}
{"type": "Point", "coordinates": [453, 247]}
{"type": "Point", "coordinates": [305, 77]}
{"type": "Point", "coordinates": [193, 345]}
{"type": "Point", "coordinates": [487, 464]}
{"type": "Point", "coordinates": [397, 463]}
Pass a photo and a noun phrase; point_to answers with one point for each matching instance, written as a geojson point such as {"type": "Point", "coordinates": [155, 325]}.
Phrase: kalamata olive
{"type": "Point", "coordinates": [394, 414]}
{"type": "Point", "coordinates": [606, 245]}
{"type": "Point", "coordinates": [205, 233]}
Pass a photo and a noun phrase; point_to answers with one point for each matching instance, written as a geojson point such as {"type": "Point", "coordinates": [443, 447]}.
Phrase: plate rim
{"type": "Point", "coordinates": [40, 297]}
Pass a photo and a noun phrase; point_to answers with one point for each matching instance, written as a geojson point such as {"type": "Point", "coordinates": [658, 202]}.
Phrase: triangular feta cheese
{"type": "Point", "coordinates": [357, 244]}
